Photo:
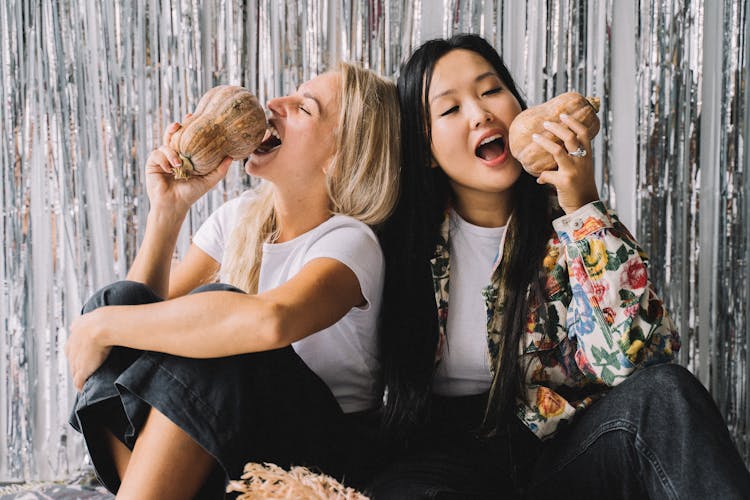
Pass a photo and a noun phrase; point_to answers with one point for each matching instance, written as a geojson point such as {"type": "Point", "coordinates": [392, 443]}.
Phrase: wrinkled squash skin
{"type": "Point", "coordinates": [533, 157]}
{"type": "Point", "coordinates": [229, 121]}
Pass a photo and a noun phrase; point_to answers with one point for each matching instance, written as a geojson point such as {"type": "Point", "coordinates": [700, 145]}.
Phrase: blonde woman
{"type": "Point", "coordinates": [281, 364]}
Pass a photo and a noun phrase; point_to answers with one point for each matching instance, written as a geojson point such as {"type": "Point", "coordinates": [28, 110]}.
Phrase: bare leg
{"type": "Point", "coordinates": [120, 452]}
{"type": "Point", "coordinates": [166, 463]}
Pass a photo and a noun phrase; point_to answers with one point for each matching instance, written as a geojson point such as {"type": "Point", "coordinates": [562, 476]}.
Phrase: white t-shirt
{"type": "Point", "coordinates": [464, 368]}
{"type": "Point", "coordinates": [344, 355]}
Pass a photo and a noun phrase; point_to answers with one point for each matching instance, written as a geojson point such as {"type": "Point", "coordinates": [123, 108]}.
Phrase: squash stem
{"type": "Point", "coordinates": [595, 103]}
{"type": "Point", "coordinates": [184, 170]}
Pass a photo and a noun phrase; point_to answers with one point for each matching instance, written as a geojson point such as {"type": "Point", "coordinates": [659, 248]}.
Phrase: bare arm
{"type": "Point", "coordinates": [196, 268]}
{"type": "Point", "coordinates": [216, 324]}
{"type": "Point", "coordinates": [154, 258]}
{"type": "Point", "coordinates": [153, 264]}
{"type": "Point", "coordinates": [170, 199]}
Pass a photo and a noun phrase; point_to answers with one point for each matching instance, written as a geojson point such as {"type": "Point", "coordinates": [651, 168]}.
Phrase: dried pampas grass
{"type": "Point", "coordinates": [271, 482]}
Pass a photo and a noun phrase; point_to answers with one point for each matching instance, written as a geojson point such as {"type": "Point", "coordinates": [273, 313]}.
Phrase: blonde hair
{"type": "Point", "coordinates": [362, 180]}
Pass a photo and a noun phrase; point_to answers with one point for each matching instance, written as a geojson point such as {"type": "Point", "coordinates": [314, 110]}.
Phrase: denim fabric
{"type": "Point", "coordinates": [260, 407]}
{"type": "Point", "coordinates": [641, 442]}
{"type": "Point", "coordinates": [448, 460]}
{"type": "Point", "coordinates": [637, 442]}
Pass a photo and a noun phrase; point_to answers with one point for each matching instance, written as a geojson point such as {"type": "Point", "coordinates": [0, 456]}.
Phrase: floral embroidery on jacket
{"type": "Point", "coordinates": [601, 319]}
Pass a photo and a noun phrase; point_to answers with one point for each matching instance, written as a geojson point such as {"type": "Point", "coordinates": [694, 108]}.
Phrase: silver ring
{"type": "Point", "coordinates": [578, 153]}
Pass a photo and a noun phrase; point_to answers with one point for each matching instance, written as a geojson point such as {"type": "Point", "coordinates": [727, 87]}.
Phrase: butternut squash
{"type": "Point", "coordinates": [229, 121]}
{"type": "Point", "coordinates": [533, 157]}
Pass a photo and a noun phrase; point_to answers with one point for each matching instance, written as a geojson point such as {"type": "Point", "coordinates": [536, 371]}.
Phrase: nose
{"type": "Point", "coordinates": [278, 105]}
{"type": "Point", "coordinates": [479, 116]}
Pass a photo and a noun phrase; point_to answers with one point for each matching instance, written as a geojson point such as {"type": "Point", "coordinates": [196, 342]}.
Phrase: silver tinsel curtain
{"type": "Point", "coordinates": [86, 88]}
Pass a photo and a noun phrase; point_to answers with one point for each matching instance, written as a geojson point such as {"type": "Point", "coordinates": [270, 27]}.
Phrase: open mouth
{"type": "Point", "coordinates": [271, 141]}
{"type": "Point", "coordinates": [491, 147]}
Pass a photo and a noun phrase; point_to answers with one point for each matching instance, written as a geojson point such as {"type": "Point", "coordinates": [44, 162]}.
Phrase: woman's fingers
{"type": "Point", "coordinates": [564, 133]}
{"type": "Point", "coordinates": [173, 159]}
{"type": "Point", "coordinates": [169, 132]}
{"type": "Point", "coordinates": [172, 128]}
{"type": "Point", "coordinates": [558, 151]}
{"type": "Point", "coordinates": [73, 362]}
{"type": "Point", "coordinates": [554, 177]}
{"type": "Point", "coordinates": [580, 130]}
{"type": "Point", "coordinates": [571, 132]}
{"type": "Point", "coordinates": [571, 149]}
{"type": "Point", "coordinates": [171, 155]}
{"type": "Point", "coordinates": [159, 159]}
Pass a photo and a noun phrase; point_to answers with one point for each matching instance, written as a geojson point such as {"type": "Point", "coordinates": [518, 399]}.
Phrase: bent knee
{"type": "Point", "coordinates": [667, 375]}
{"type": "Point", "coordinates": [216, 287]}
{"type": "Point", "coordinates": [668, 385]}
{"type": "Point", "coordinates": [121, 293]}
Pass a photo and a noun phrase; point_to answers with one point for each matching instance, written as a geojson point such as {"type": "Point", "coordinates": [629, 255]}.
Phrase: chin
{"type": "Point", "coordinates": [250, 169]}
{"type": "Point", "coordinates": [257, 166]}
{"type": "Point", "coordinates": [507, 179]}
{"type": "Point", "coordinates": [512, 169]}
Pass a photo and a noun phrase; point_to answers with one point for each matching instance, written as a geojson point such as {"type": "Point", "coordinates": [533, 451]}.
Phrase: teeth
{"type": "Point", "coordinates": [490, 139]}
{"type": "Point", "coordinates": [264, 146]}
{"type": "Point", "coordinates": [270, 132]}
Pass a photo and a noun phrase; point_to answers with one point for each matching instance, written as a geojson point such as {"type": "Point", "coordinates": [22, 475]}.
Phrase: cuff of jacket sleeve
{"type": "Point", "coordinates": [581, 223]}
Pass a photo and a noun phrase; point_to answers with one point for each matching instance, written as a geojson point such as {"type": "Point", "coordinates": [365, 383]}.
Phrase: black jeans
{"type": "Point", "coordinates": [656, 435]}
{"type": "Point", "coordinates": [257, 407]}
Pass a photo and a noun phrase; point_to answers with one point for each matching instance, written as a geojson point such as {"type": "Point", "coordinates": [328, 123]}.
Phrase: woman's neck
{"type": "Point", "coordinates": [483, 209]}
{"type": "Point", "coordinates": [298, 213]}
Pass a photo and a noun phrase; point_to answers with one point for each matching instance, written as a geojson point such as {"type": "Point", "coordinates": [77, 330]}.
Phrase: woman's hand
{"type": "Point", "coordinates": [84, 349]}
{"type": "Point", "coordinates": [167, 193]}
{"type": "Point", "coordinates": [574, 177]}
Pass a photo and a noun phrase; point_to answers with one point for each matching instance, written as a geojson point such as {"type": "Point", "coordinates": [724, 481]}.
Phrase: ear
{"type": "Point", "coordinates": [433, 162]}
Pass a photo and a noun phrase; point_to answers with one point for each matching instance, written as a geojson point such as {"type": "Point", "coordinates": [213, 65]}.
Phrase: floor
{"type": "Point", "coordinates": [83, 487]}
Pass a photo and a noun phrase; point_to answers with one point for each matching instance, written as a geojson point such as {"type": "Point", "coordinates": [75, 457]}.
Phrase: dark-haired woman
{"type": "Point", "coordinates": [525, 351]}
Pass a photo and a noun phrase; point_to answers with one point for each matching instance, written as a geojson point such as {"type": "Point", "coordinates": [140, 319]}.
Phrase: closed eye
{"type": "Point", "coordinates": [493, 91]}
{"type": "Point", "coordinates": [302, 108]}
{"type": "Point", "coordinates": [449, 111]}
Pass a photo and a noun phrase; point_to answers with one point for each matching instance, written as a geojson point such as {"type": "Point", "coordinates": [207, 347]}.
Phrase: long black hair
{"type": "Point", "coordinates": [409, 327]}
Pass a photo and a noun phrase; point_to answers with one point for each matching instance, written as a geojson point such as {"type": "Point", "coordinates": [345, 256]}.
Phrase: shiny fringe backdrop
{"type": "Point", "coordinates": [88, 86]}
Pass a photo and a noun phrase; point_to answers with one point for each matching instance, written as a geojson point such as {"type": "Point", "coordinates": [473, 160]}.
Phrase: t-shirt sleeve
{"type": "Point", "coordinates": [212, 236]}
{"type": "Point", "coordinates": [356, 246]}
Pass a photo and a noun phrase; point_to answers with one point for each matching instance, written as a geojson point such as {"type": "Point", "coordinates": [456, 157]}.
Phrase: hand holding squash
{"type": "Point", "coordinates": [574, 177]}
{"type": "Point", "coordinates": [165, 192]}
{"type": "Point", "coordinates": [228, 121]}
{"type": "Point", "coordinates": [534, 158]}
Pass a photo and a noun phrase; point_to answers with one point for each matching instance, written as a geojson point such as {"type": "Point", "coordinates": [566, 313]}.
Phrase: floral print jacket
{"type": "Point", "coordinates": [603, 319]}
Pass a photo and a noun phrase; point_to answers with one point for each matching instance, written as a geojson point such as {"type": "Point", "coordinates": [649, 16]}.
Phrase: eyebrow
{"type": "Point", "coordinates": [476, 80]}
{"type": "Point", "coordinates": [308, 95]}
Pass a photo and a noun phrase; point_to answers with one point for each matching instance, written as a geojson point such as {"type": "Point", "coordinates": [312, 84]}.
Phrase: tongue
{"type": "Point", "coordinates": [491, 150]}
